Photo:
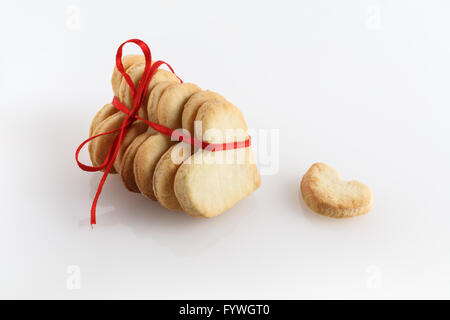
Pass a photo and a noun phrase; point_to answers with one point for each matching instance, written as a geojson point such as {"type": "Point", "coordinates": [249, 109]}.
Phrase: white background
{"type": "Point", "coordinates": [363, 86]}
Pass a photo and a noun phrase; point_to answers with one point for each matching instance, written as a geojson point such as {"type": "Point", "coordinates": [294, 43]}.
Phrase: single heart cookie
{"type": "Point", "coordinates": [326, 193]}
{"type": "Point", "coordinates": [208, 183]}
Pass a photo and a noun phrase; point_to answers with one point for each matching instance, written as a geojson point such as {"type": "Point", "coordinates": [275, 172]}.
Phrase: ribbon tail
{"type": "Point", "coordinates": [99, 191]}
{"type": "Point", "coordinates": [110, 162]}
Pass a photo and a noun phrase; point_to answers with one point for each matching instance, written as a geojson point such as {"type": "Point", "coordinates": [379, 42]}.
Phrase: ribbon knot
{"type": "Point", "coordinates": [138, 95]}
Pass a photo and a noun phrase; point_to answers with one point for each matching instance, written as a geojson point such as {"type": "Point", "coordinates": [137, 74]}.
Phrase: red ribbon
{"type": "Point", "coordinates": [138, 94]}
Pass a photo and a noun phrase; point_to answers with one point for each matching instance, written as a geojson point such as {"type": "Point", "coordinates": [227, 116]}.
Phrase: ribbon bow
{"type": "Point", "coordinates": [138, 94]}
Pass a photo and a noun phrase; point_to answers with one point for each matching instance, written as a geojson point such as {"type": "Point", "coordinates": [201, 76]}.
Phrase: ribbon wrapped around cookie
{"type": "Point", "coordinates": [138, 94]}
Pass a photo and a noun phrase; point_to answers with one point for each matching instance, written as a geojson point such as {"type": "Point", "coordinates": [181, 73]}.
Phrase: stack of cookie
{"type": "Point", "coordinates": [200, 182]}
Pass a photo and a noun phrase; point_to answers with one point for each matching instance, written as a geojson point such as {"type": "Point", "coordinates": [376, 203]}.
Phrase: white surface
{"type": "Point", "coordinates": [360, 85]}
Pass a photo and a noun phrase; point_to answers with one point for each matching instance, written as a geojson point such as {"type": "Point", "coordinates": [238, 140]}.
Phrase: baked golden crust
{"type": "Point", "coordinates": [99, 147]}
{"type": "Point", "coordinates": [164, 175]}
{"type": "Point", "coordinates": [171, 104]}
{"type": "Point", "coordinates": [137, 128]}
{"type": "Point", "coordinates": [147, 156]}
{"type": "Point", "coordinates": [106, 111]}
{"type": "Point", "coordinates": [326, 193]}
{"type": "Point", "coordinates": [126, 168]}
{"type": "Point", "coordinates": [135, 72]}
{"type": "Point", "coordinates": [193, 105]}
{"type": "Point", "coordinates": [206, 187]}
{"type": "Point", "coordinates": [221, 122]}
{"type": "Point", "coordinates": [209, 183]}
{"type": "Point", "coordinates": [153, 99]}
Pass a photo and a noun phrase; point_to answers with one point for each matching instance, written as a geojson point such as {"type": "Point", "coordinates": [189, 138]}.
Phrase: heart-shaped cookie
{"type": "Point", "coordinates": [326, 193]}
{"type": "Point", "coordinates": [208, 183]}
